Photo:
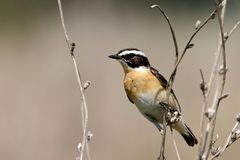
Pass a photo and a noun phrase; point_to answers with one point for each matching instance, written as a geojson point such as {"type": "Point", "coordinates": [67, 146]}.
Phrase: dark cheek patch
{"type": "Point", "coordinates": [139, 61]}
{"type": "Point", "coordinates": [136, 61]}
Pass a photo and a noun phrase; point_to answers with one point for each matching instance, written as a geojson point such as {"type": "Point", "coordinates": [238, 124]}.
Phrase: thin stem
{"type": "Point", "coordinates": [204, 90]}
{"type": "Point", "coordinates": [161, 156]}
{"type": "Point", "coordinates": [204, 149]}
{"type": "Point", "coordinates": [162, 149]}
{"type": "Point", "coordinates": [220, 15]}
{"type": "Point", "coordinates": [214, 67]}
{"type": "Point", "coordinates": [175, 144]}
{"type": "Point", "coordinates": [227, 144]}
{"type": "Point", "coordinates": [171, 28]}
{"type": "Point", "coordinates": [84, 109]}
{"type": "Point", "coordinates": [188, 45]}
{"type": "Point", "coordinates": [233, 29]}
{"type": "Point", "coordinates": [178, 60]}
{"type": "Point", "coordinates": [63, 23]}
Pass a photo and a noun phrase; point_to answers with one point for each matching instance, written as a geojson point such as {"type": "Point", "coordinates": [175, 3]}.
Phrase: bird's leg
{"type": "Point", "coordinates": [172, 115]}
{"type": "Point", "coordinates": [159, 127]}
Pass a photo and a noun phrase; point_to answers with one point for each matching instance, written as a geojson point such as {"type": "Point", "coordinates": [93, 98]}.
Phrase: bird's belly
{"type": "Point", "coordinates": [147, 106]}
{"type": "Point", "coordinates": [143, 89]}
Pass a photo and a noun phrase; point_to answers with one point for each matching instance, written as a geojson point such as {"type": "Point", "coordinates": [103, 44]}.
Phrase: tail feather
{"type": "Point", "coordinates": [189, 136]}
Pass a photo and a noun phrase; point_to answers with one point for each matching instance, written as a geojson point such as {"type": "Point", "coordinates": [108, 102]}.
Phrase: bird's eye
{"type": "Point", "coordinates": [130, 56]}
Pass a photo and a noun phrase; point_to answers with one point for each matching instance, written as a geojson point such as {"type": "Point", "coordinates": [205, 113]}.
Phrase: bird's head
{"type": "Point", "coordinates": [131, 58]}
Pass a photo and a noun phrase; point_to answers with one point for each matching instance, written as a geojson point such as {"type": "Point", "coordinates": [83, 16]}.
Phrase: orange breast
{"type": "Point", "coordinates": [137, 83]}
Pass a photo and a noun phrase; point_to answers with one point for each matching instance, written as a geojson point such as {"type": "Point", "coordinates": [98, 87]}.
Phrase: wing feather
{"type": "Point", "coordinates": [164, 83]}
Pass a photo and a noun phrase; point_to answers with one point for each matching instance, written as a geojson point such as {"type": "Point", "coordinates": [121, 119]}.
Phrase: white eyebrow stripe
{"type": "Point", "coordinates": [132, 51]}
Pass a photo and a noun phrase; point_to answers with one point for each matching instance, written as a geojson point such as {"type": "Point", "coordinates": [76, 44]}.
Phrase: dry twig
{"type": "Point", "coordinates": [161, 155]}
{"type": "Point", "coordinates": [84, 109]}
{"type": "Point", "coordinates": [233, 136]}
{"type": "Point", "coordinates": [211, 113]}
{"type": "Point", "coordinates": [216, 71]}
{"type": "Point", "coordinates": [189, 45]}
{"type": "Point", "coordinates": [171, 28]}
{"type": "Point", "coordinates": [162, 148]}
{"type": "Point", "coordinates": [178, 60]}
{"type": "Point", "coordinates": [175, 144]}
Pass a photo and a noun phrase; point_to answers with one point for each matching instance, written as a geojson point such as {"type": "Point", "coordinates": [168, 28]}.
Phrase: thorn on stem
{"type": "Point", "coordinates": [153, 6]}
{"type": "Point", "coordinates": [216, 139]}
{"type": "Point", "coordinates": [238, 117]}
{"type": "Point", "coordinates": [235, 136]}
{"type": "Point", "coordinates": [190, 45]}
{"type": "Point", "coordinates": [203, 87]}
{"type": "Point", "coordinates": [197, 24]}
{"type": "Point", "coordinates": [215, 150]}
{"type": "Point", "coordinates": [213, 15]}
{"type": "Point", "coordinates": [86, 85]}
{"type": "Point", "coordinates": [210, 113]}
{"type": "Point", "coordinates": [223, 96]}
{"type": "Point", "coordinates": [79, 147]}
{"type": "Point", "coordinates": [73, 45]}
{"type": "Point", "coordinates": [220, 6]}
{"type": "Point", "coordinates": [89, 136]}
{"type": "Point", "coordinates": [226, 36]}
{"type": "Point", "coordinates": [222, 70]}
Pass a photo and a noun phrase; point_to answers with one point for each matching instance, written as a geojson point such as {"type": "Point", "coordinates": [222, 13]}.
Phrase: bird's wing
{"type": "Point", "coordinates": [164, 82]}
{"type": "Point", "coordinates": [130, 99]}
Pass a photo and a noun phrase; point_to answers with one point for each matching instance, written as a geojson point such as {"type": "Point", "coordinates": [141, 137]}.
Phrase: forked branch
{"type": "Point", "coordinates": [233, 136]}
{"type": "Point", "coordinates": [177, 59]}
{"type": "Point", "coordinates": [190, 45]}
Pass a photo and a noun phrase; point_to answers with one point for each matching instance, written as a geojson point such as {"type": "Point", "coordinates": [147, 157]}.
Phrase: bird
{"type": "Point", "coordinates": [148, 90]}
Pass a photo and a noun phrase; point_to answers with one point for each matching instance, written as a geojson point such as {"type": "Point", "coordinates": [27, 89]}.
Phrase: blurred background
{"type": "Point", "coordinates": [40, 115]}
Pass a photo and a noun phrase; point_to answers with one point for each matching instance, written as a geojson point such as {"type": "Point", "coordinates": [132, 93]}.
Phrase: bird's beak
{"type": "Point", "coordinates": [114, 56]}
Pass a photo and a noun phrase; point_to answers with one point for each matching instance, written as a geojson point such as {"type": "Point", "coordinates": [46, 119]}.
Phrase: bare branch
{"type": "Point", "coordinates": [210, 113]}
{"type": "Point", "coordinates": [162, 149]}
{"type": "Point", "coordinates": [63, 23]}
{"type": "Point", "coordinates": [214, 67]}
{"type": "Point", "coordinates": [84, 109]}
{"type": "Point", "coordinates": [161, 156]}
{"type": "Point", "coordinates": [178, 60]}
{"type": "Point", "coordinates": [218, 96]}
{"type": "Point", "coordinates": [204, 89]}
{"type": "Point", "coordinates": [171, 28]}
{"type": "Point", "coordinates": [203, 84]}
{"type": "Point", "coordinates": [189, 45]}
{"type": "Point", "coordinates": [220, 15]}
{"type": "Point", "coordinates": [233, 136]}
{"type": "Point", "coordinates": [175, 144]}
{"type": "Point", "coordinates": [232, 30]}
{"type": "Point", "coordinates": [219, 92]}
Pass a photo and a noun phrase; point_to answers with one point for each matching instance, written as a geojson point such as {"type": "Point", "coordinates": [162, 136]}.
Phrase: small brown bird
{"type": "Point", "coordinates": [147, 89]}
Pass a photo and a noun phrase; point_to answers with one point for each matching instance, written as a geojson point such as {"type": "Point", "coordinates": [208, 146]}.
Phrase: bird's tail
{"type": "Point", "coordinates": [189, 136]}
